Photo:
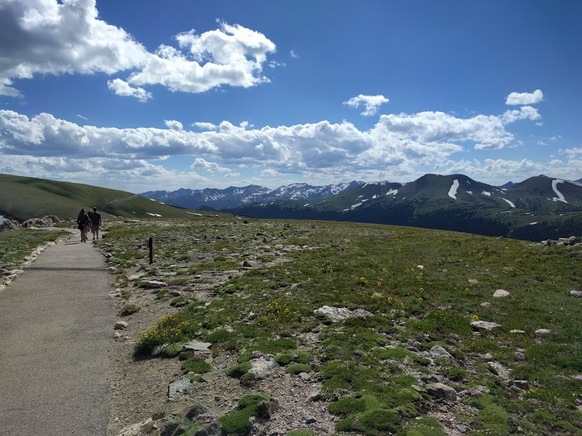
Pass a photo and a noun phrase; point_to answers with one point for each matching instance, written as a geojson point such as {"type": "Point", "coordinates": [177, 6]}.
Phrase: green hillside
{"type": "Point", "coordinates": [22, 198]}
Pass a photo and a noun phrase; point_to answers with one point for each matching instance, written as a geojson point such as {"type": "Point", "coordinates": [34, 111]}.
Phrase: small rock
{"type": "Point", "coordinates": [197, 346]}
{"type": "Point", "coordinates": [486, 304]}
{"type": "Point", "coordinates": [154, 284]}
{"type": "Point", "coordinates": [262, 367]}
{"type": "Point", "coordinates": [500, 293]}
{"type": "Point", "coordinates": [135, 277]}
{"type": "Point", "coordinates": [576, 294]}
{"type": "Point", "coordinates": [517, 332]}
{"type": "Point", "coordinates": [309, 419]}
{"type": "Point", "coordinates": [521, 384]}
{"type": "Point", "coordinates": [336, 314]}
{"type": "Point", "coordinates": [247, 264]}
{"type": "Point", "coordinates": [183, 385]}
{"type": "Point", "coordinates": [484, 325]}
{"type": "Point", "coordinates": [440, 390]}
{"type": "Point", "coordinates": [121, 325]}
{"type": "Point", "coordinates": [542, 332]}
{"type": "Point", "coordinates": [438, 351]}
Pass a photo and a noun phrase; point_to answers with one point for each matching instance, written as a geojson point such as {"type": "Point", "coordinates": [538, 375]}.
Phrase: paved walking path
{"type": "Point", "coordinates": [56, 325]}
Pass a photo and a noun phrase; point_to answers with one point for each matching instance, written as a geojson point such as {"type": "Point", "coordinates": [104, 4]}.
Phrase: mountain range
{"type": "Point", "coordinates": [537, 208]}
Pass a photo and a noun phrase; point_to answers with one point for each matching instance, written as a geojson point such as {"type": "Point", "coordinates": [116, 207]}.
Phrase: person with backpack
{"type": "Point", "coordinates": [83, 224]}
{"type": "Point", "coordinates": [95, 223]}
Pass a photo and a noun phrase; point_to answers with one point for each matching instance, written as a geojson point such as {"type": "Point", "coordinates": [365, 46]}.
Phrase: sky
{"type": "Point", "coordinates": [154, 95]}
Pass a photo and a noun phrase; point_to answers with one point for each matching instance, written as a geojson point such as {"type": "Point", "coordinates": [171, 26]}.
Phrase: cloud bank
{"type": "Point", "coordinates": [397, 144]}
{"type": "Point", "coordinates": [55, 38]}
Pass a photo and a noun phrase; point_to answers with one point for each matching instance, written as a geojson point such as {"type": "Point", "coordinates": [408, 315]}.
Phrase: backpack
{"type": "Point", "coordinates": [95, 218]}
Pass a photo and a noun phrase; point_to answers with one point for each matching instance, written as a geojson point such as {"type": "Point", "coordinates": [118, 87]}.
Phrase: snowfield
{"type": "Point", "coordinates": [558, 193]}
{"type": "Point", "coordinates": [453, 190]}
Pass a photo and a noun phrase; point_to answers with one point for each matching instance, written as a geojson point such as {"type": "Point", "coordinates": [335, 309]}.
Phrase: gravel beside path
{"type": "Point", "coordinates": [56, 323]}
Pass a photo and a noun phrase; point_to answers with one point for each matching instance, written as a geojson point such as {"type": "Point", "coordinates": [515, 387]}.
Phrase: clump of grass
{"type": "Point", "coordinates": [170, 329]}
{"type": "Point", "coordinates": [238, 422]}
{"type": "Point", "coordinates": [16, 244]}
{"type": "Point", "coordinates": [129, 309]}
{"type": "Point", "coordinates": [219, 336]}
{"type": "Point", "coordinates": [297, 368]}
{"type": "Point", "coordinates": [196, 366]}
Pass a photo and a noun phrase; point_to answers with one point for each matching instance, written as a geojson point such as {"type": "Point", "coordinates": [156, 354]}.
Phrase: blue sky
{"type": "Point", "coordinates": [214, 93]}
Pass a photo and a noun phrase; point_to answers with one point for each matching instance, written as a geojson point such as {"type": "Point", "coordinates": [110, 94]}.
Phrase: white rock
{"type": "Point", "coordinates": [340, 313]}
{"type": "Point", "coordinates": [261, 368]}
{"type": "Point", "coordinates": [484, 325]}
{"type": "Point", "coordinates": [500, 293]}
{"type": "Point", "coordinates": [154, 284]}
{"type": "Point", "coordinates": [197, 346]}
{"type": "Point", "coordinates": [576, 293]}
{"type": "Point", "coordinates": [543, 332]}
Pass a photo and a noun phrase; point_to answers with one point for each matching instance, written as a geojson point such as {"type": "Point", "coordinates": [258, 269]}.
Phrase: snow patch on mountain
{"type": "Point", "coordinates": [509, 202]}
{"type": "Point", "coordinates": [453, 189]}
{"type": "Point", "coordinates": [558, 193]}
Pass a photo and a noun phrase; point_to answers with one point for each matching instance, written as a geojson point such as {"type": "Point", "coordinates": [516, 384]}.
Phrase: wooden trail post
{"type": "Point", "coordinates": [151, 247]}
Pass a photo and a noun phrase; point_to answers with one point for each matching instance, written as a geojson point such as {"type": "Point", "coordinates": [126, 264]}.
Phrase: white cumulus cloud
{"type": "Point", "coordinates": [524, 98]}
{"type": "Point", "coordinates": [124, 89]}
{"type": "Point", "coordinates": [67, 37]}
{"type": "Point", "coordinates": [371, 103]}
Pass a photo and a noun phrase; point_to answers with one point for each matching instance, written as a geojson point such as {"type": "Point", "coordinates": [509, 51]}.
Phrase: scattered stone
{"type": "Point", "coordinates": [501, 370]}
{"type": "Point", "coordinates": [440, 390]}
{"type": "Point", "coordinates": [576, 294]}
{"type": "Point", "coordinates": [484, 325]}
{"type": "Point", "coordinates": [180, 386]}
{"type": "Point", "coordinates": [153, 284]}
{"type": "Point", "coordinates": [135, 277]}
{"type": "Point", "coordinates": [516, 332]}
{"type": "Point", "coordinates": [247, 264]}
{"type": "Point", "coordinates": [473, 282]}
{"type": "Point", "coordinates": [251, 315]}
{"type": "Point", "coordinates": [308, 419]}
{"type": "Point", "coordinates": [486, 304]}
{"type": "Point", "coordinates": [121, 325]}
{"type": "Point", "coordinates": [542, 332]}
{"type": "Point", "coordinates": [197, 346]}
{"type": "Point", "coordinates": [521, 384]}
{"type": "Point", "coordinates": [173, 427]}
{"type": "Point", "coordinates": [336, 314]}
{"type": "Point", "coordinates": [500, 293]}
{"type": "Point", "coordinates": [440, 352]}
{"type": "Point", "coordinates": [262, 367]}
{"type": "Point", "coordinates": [471, 392]}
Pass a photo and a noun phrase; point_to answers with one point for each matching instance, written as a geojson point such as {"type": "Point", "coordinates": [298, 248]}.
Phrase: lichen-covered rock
{"type": "Point", "coordinates": [440, 390]}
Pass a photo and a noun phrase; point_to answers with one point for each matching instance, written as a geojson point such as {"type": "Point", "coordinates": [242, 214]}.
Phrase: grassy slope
{"type": "Point", "coordinates": [423, 289]}
{"type": "Point", "coordinates": [22, 198]}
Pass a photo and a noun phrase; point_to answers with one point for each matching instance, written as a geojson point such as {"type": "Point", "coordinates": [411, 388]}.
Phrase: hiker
{"type": "Point", "coordinates": [95, 223]}
{"type": "Point", "coordinates": [83, 224]}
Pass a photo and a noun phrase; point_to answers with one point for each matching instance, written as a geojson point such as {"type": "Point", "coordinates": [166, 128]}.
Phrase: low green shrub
{"type": "Point", "coordinates": [197, 366]}
{"type": "Point", "coordinates": [297, 368]}
{"type": "Point", "coordinates": [238, 421]}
